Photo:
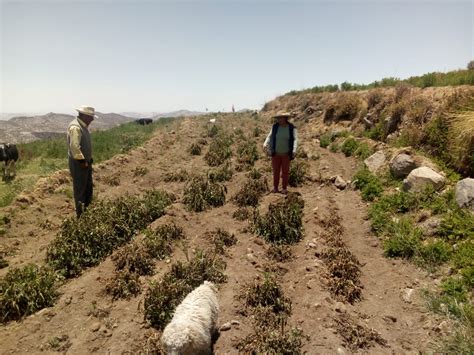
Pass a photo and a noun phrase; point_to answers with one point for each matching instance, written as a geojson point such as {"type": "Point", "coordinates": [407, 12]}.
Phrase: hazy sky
{"type": "Point", "coordinates": [163, 55]}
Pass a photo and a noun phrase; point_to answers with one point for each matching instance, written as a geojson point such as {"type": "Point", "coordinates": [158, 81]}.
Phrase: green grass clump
{"type": "Point", "coordinates": [334, 147]}
{"type": "Point", "coordinates": [298, 173]}
{"type": "Point", "coordinates": [434, 253]}
{"type": "Point", "coordinates": [221, 173]}
{"type": "Point", "coordinates": [457, 225]}
{"type": "Point", "coordinates": [369, 185]}
{"type": "Point", "coordinates": [283, 222]}
{"type": "Point", "coordinates": [27, 290]}
{"type": "Point", "coordinates": [251, 192]}
{"type": "Point", "coordinates": [195, 149]}
{"type": "Point", "coordinates": [104, 226]}
{"type": "Point", "coordinates": [404, 239]}
{"type": "Point", "coordinates": [325, 140]}
{"type": "Point", "coordinates": [163, 296]}
{"type": "Point", "coordinates": [201, 193]}
{"type": "Point", "coordinates": [363, 151]}
{"type": "Point", "coordinates": [349, 146]}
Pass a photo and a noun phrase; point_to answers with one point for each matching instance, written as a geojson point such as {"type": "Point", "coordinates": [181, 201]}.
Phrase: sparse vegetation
{"type": "Point", "coordinates": [219, 150]}
{"type": "Point", "coordinates": [242, 214]}
{"type": "Point", "coordinates": [179, 175]}
{"type": "Point", "coordinates": [279, 252]}
{"type": "Point", "coordinates": [124, 284]}
{"type": "Point", "coordinates": [163, 296]}
{"type": "Point", "coordinates": [251, 192]}
{"type": "Point", "coordinates": [26, 290]}
{"type": "Point", "coordinates": [195, 149]}
{"type": "Point", "coordinates": [134, 258]}
{"type": "Point", "coordinates": [158, 242]}
{"type": "Point", "coordinates": [221, 173]}
{"type": "Point", "coordinates": [140, 171]}
{"type": "Point", "coordinates": [247, 154]}
{"type": "Point", "coordinates": [105, 225]}
{"type": "Point", "coordinates": [221, 239]}
{"type": "Point", "coordinates": [298, 173]}
{"type": "Point", "coordinates": [369, 185]}
{"type": "Point", "coordinates": [201, 193]}
{"type": "Point", "coordinates": [349, 146]}
{"type": "Point", "coordinates": [357, 336]}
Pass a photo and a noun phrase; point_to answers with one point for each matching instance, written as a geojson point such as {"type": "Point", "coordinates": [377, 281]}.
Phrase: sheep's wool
{"type": "Point", "coordinates": [194, 321]}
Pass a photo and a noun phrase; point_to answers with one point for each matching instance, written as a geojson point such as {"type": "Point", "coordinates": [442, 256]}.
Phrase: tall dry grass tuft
{"type": "Point", "coordinates": [461, 141]}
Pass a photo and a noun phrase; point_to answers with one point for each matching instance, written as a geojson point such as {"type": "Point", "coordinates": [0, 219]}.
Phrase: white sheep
{"type": "Point", "coordinates": [193, 324]}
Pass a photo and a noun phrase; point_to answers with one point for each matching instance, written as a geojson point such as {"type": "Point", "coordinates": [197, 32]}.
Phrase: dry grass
{"type": "Point", "coordinates": [357, 336]}
{"type": "Point", "coordinates": [461, 141]}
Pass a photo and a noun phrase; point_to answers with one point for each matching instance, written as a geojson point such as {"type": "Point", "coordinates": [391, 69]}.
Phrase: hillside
{"type": "Point", "coordinates": [345, 295]}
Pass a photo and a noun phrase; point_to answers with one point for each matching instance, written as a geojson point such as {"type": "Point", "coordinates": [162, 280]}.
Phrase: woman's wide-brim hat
{"type": "Point", "coordinates": [282, 114]}
{"type": "Point", "coordinates": [87, 110]}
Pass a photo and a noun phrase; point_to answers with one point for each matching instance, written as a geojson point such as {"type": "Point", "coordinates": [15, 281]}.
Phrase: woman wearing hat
{"type": "Point", "coordinates": [281, 144]}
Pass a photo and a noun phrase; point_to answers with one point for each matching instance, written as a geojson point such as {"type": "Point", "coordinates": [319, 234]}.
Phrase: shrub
{"type": "Point", "coordinates": [163, 296]}
{"type": "Point", "coordinates": [256, 132]}
{"type": "Point", "coordinates": [368, 184]}
{"type": "Point", "coordinates": [179, 175]}
{"type": "Point", "coordinates": [345, 108]}
{"type": "Point", "coordinates": [298, 173]}
{"type": "Point", "coordinates": [325, 140]}
{"type": "Point", "coordinates": [349, 146]}
{"type": "Point", "coordinates": [254, 174]}
{"type": "Point", "coordinates": [241, 214]}
{"type": "Point", "coordinates": [247, 153]}
{"type": "Point", "coordinates": [250, 193]}
{"type": "Point", "coordinates": [221, 174]}
{"type": "Point", "coordinates": [27, 290]}
{"type": "Point", "coordinates": [283, 222]}
{"type": "Point", "coordinates": [357, 336]}
{"type": "Point", "coordinates": [374, 97]}
{"type": "Point", "coordinates": [201, 193]}
{"type": "Point", "coordinates": [124, 284]}
{"type": "Point", "coordinates": [133, 258]}
{"type": "Point", "coordinates": [195, 149]}
{"type": "Point", "coordinates": [219, 150]}
{"type": "Point", "coordinates": [105, 225]}
{"type": "Point", "coordinates": [334, 147]}
{"type": "Point", "coordinates": [158, 242]}
{"type": "Point", "coordinates": [213, 131]}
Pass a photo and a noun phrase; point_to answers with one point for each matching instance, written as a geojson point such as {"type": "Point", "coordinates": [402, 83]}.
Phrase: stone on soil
{"type": "Point", "coordinates": [465, 193]}
{"type": "Point", "coordinates": [340, 183]}
{"type": "Point", "coordinates": [422, 177]}
{"type": "Point", "coordinates": [402, 165]}
{"type": "Point", "coordinates": [375, 161]}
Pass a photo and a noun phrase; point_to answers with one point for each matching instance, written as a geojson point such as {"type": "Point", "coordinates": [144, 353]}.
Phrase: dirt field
{"type": "Point", "coordinates": [86, 320]}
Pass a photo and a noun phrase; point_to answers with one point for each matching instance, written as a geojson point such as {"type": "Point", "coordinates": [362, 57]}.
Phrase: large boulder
{"type": "Point", "coordinates": [375, 161]}
{"type": "Point", "coordinates": [401, 165]}
{"type": "Point", "coordinates": [420, 178]}
{"type": "Point", "coordinates": [465, 193]}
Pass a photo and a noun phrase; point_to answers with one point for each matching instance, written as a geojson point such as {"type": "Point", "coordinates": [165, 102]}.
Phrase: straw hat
{"type": "Point", "coordinates": [87, 110]}
{"type": "Point", "coordinates": [282, 114]}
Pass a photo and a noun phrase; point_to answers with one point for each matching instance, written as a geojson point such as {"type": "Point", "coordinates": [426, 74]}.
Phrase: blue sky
{"type": "Point", "coordinates": [162, 55]}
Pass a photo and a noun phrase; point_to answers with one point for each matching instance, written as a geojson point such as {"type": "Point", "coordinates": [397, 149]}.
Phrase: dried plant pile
{"type": "Point", "coordinates": [357, 336]}
{"type": "Point", "coordinates": [264, 300]}
{"type": "Point", "coordinates": [221, 240]}
{"type": "Point", "coordinates": [24, 291]}
{"type": "Point", "coordinates": [219, 150]}
{"type": "Point", "coordinates": [165, 295]}
{"type": "Point", "coordinates": [343, 267]}
{"type": "Point", "coordinates": [283, 222]}
{"type": "Point", "coordinates": [201, 193]}
{"type": "Point", "coordinates": [251, 193]}
{"type": "Point", "coordinates": [179, 175]}
{"type": "Point", "coordinates": [104, 226]}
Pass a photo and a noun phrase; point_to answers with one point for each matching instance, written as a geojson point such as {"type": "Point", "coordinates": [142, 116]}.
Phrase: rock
{"type": "Point", "coordinates": [375, 161]}
{"type": "Point", "coordinates": [340, 351]}
{"type": "Point", "coordinates": [465, 193]}
{"type": "Point", "coordinates": [234, 322]}
{"type": "Point", "coordinates": [422, 177]}
{"type": "Point", "coordinates": [251, 258]}
{"type": "Point", "coordinates": [24, 199]}
{"type": "Point", "coordinates": [390, 318]}
{"type": "Point", "coordinates": [340, 183]}
{"type": "Point", "coordinates": [401, 165]}
{"type": "Point", "coordinates": [226, 326]}
{"type": "Point", "coordinates": [430, 226]}
{"type": "Point", "coordinates": [317, 305]}
{"type": "Point", "coordinates": [340, 307]}
{"type": "Point", "coordinates": [68, 300]}
{"type": "Point", "coordinates": [95, 327]}
{"type": "Point", "coordinates": [312, 245]}
{"type": "Point", "coordinates": [407, 294]}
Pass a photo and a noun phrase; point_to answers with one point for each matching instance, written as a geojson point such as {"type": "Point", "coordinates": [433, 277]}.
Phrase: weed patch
{"type": "Point", "coordinates": [158, 243]}
{"type": "Point", "coordinates": [219, 150]}
{"type": "Point", "coordinates": [140, 171]}
{"type": "Point", "coordinates": [349, 146]}
{"type": "Point", "coordinates": [247, 154]}
{"type": "Point", "coordinates": [27, 290]}
{"type": "Point", "coordinates": [369, 185]}
{"type": "Point", "coordinates": [201, 193]}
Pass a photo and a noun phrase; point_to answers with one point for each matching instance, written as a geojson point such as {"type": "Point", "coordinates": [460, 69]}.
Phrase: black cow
{"type": "Point", "coordinates": [144, 121]}
{"type": "Point", "coordinates": [9, 155]}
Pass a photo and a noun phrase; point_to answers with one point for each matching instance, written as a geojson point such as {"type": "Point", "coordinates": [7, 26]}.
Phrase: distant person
{"type": "Point", "coordinates": [233, 109]}
{"type": "Point", "coordinates": [281, 144]}
{"type": "Point", "coordinates": [80, 157]}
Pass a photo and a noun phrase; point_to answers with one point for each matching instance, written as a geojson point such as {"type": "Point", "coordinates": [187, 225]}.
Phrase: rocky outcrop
{"type": "Point", "coordinates": [375, 161]}
{"type": "Point", "coordinates": [401, 165]}
{"type": "Point", "coordinates": [465, 193]}
{"type": "Point", "coordinates": [422, 177]}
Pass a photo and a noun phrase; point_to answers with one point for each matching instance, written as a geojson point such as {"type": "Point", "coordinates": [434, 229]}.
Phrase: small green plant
{"type": "Point", "coordinates": [135, 258]}
{"type": "Point", "coordinates": [298, 173]}
{"type": "Point", "coordinates": [124, 284]}
{"type": "Point", "coordinates": [349, 146]}
{"type": "Point", "coordinates": [250, 193]}
{"type": "Point", "coordinates": [213, 131]}
{"type": "Point", "coordinates": [334, 147]}
{"type": "Point", "coordinates": [201, 193]}
{"type": "Point", "coordinates": [283, 222]}
{"type": "Point", "coordinates": [434, 253]}
{"type": "Point", "coordinates": [254, 174]}
{"type": "Point", "coordinates": [195, 149]}
{"type": "Point", "coordinates": [221, 240]}
{"type": "Point", "coordinates": [3, 262]}
{"type": "Point", "coordinates": [257, 132]}
{"type": "Point", "coordinates": [457, 225]}
{"type": "Point", "coordinates": [27, 290]}
{"type": "Point", "coordinates": [325, 140]}
{"type": "Point", "coordinates": [163, 296]}
{"type": "Point", "coordinates": [368, 184]}
{"type": "Point", "coordinates": [403, 239]}
{"type": "Point", "coordinates": [159, 242]}
{"type": "Point", "coordinates": [247, 153]}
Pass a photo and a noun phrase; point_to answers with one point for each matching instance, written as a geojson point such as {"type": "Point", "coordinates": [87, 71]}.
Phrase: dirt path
{"type": "Point", "coordinates": [85, 320]}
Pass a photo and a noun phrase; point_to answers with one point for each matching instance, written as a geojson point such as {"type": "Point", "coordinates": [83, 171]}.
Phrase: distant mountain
{"type": "Point", "coordinates": [156, 115]}
{"type": "Point", "coordinates": [28, 128]}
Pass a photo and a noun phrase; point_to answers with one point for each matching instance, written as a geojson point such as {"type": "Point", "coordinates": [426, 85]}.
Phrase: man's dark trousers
{"type": "Point", "coordinates": [82, 185]}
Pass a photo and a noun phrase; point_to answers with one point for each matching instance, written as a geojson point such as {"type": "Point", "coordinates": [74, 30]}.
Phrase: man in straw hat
{"type": "Point", "coordinates": [281, 144]}
{"type": "Point", "coordinates": [80, 157]}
